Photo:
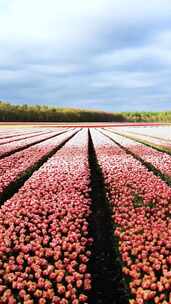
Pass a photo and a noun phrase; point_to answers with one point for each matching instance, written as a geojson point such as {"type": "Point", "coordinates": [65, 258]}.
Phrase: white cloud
{"type": "Point", "coordinates": [74, 49]}
{"type": "Point", "coordinates": [10, 76]}
{"type": "Point", "coordinates": [53, 70]}
{"type": "Point", "coordinates": [125, 80]}
{"type": "Point", "coordinates": [73, 22]}
{"type": "Point", "coordinates": [159, 49]}
{"type": "Point", "coordinates": [59, 23]}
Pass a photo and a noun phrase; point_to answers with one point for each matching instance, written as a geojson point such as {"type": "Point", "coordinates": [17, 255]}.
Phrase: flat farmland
{"type": "Point", "coordinates": [85, 213]}
{"type": "Point", "coordinates": [26, 125]}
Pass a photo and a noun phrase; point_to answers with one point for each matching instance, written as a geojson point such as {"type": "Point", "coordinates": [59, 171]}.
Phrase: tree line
{"type": "Point", "coordinates": [164, 116]}
{"type": "Point", "coordinates": [43, 113]}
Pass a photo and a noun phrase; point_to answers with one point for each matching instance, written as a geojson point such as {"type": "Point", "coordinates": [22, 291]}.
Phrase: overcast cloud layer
{"type": "Point", "coordinates": [103, 54]}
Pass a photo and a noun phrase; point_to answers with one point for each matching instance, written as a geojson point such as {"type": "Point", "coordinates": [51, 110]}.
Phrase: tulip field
{"type": "Point", "coordinates": [85, 214]}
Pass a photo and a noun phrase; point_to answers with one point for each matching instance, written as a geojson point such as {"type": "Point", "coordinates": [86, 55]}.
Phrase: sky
{"type": "Point", "coordinates": [112, 55]}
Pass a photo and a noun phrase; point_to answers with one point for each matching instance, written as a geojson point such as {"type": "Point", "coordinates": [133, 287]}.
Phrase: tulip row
{"type": "Point", "coordinates": [12, 147]}
{"type": "Point", "coordinates": [44, 241]}
{"type": "Point", "coordinates": [9, 133]}
{"type": "Point", "coordinates": [21, 136]}
{"type": "Point", "coordinates": [142, 215]}
{"type": "Point", "coordinates": [160, 132]}
{"type": "Point", "coordinates": [17, 165]}
{"type": "Point", "coordinates": [156, 142]}
{"type": "Point", "coordinates": [160, 160]}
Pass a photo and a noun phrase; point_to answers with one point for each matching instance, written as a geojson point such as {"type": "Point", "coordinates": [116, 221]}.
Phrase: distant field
{"type": "Point", "coordinates": [82, 124]}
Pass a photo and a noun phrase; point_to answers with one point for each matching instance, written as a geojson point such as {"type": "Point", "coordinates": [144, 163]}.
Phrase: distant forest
{"type": "Point", "coordinates": [42, 113]}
